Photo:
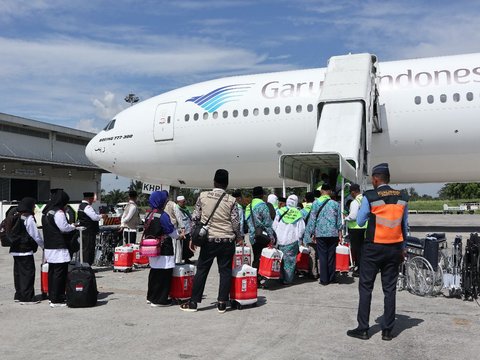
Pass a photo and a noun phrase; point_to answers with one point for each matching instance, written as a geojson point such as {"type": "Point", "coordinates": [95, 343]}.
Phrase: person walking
{"type": "Point", "coordinates": [386, 210]}
{"type": "Point", "coordinates": [26, 239]}
{"type": "Point", "coordinates": [88, 218]}
{"type": "Point", "coordinates": [289, 227]}
{"type": "Point", "coordinates": [158, 225]}
{"type": "Point", "coordinates": [356, 232]}
{"type": "Point", "coordinates": [325, 226]}
{"type": "Point", "coordinates": [130, 219]}
{"type": "Point", "coordinates": [223, 232]}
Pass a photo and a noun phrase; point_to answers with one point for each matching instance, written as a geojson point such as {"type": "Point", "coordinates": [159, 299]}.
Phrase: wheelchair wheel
{"type": "Point", "coordinates": [438, 282]}
{"type": "Point", "coordinates": [420, 276]}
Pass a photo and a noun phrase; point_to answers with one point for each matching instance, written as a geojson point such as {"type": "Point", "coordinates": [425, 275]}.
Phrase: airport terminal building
{"type": "Point", "coordinates": [36, 157]}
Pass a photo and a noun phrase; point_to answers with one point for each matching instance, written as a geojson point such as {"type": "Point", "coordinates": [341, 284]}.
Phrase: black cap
{"type": "Point", "coordinates": [355, 187]}
{"type": "Point", "coordinates": [326, 187]}
{"type": "Point", "coordinates": [316, 193]}
{"type": "Point", "coordinates": [309, 196]}
{"type": "Point", "coordinates": [237, 193]}
{"type": "Point", "coordinates": [26, 205]}
{"type": "Point", "coordinates": [221, 177]}
{"type": "Point", "coordinates": [381, 169]}
{"type": "Point", "coordinates": [282, 199]}
{"type": "Point", "coordinates": [132, 193]}
{"type": "Point", "coordinates": [88, 194]}
{"type": "Point", "coordinates": [258, 191]}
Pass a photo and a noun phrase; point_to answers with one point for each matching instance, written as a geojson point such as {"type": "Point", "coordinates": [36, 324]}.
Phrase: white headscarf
{"type": "Point", "coordinates": [292, 201]}
{"type": "Point", "coordinates": [272, 199]}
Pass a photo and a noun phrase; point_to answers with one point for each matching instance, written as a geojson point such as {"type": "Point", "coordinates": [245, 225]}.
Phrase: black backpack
{"type": "Point", "coordinates": [6, 226]}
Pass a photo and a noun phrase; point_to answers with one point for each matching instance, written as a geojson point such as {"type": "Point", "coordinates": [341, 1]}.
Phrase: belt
{"type": "Point", "coordinates": [220, 240]}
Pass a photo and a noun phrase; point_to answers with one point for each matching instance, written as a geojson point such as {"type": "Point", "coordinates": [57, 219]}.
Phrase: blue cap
{"type": "Point", "coordinates": [381, 169]}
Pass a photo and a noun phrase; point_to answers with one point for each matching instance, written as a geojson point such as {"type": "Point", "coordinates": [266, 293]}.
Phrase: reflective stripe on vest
{"type": "Point", "coordinates": [352, 224]}
{"type": "Point", "coordinates": [388, 221]}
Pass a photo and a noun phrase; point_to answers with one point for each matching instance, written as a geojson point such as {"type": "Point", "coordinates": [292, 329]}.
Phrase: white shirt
{"type": "Point", "coordinates": [32, 230]}
{"type": "Point", "coordinates": [58, 256]}
{"type": "Point", "coordinates": [288, 233]}
{"type": "Point", "coordinates": [354, 207]}
{"type": "Point", "coordinates": [127, 215]}
{"type": "Point", "coordinates": [164, 262]}
{"type": "Point", "coordinates": [90, 212]}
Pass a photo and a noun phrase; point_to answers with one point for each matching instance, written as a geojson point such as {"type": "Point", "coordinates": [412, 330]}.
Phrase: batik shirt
{"type": "Point", "coordinates": [328, 222]}
{"type": "Point", "coordinates": [262, 218]}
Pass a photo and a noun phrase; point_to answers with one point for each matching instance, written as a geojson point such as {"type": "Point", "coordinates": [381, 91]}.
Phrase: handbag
{"type": "Point", "coordinates": [261, 237]}
{"type": "Point", "coordinates": [199, 231]}
{"type": "Point", "coordinates": [151, 245]}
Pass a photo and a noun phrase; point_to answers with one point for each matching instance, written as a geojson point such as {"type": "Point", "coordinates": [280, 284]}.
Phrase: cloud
{"type": "Point", "coordinates": [107, 107]}
{"type": "Point", "coordinates": [87, 125]}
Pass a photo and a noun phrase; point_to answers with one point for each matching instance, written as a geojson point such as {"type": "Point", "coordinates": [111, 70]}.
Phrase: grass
{"type": "Point", "coordinates": [435, 205]}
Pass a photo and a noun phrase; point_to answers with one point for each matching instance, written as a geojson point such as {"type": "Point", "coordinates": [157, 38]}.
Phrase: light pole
{"type": "Point", "coordinates": [132, 99]}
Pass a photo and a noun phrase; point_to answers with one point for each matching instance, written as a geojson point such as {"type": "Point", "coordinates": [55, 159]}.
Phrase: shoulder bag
{"type": "Point", "coordinates": [261, 236]}
{"type": "Point", "coordinates": [199, 231]}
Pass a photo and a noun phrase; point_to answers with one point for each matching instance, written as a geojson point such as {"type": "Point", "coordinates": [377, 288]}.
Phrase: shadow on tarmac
{"type": "Point", "coordinates": [402, 323]}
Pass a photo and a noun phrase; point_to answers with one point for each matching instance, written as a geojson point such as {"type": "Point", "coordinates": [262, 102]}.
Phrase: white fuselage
{"type": "Point", "coordinates": [432, 141]}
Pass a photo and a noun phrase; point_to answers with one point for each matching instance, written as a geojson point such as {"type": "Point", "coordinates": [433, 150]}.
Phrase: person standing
{"type": "Point", "coordinates": [258, 215]}
{"type": "Point", "coordinates": [355, 231]}
{"type": "Point", "coordinates": [223, 231]}
{"type": "Point", "coordinates": [130, 219]}
{"type": "Point", "coordinates": [185, 219]}
{"type": "Point", "coordinates": [307, 208]}
{"type": "Point", "coordinates": [325, 224]}
{"type": "Point", "coordinates": [158, 225]}
{"type": "Point", "coordinates": [57, 234]}
{"type": "Point", "coordinates": [88, 218]}
{"type": "Point", "coordinates": [289, 226]}
{"type": "Point", "coordinates": [272, 203]}
{"type": "Point", "coordinates": [25, 241]}
{"type": "Point", "coordinates": [386, 210]}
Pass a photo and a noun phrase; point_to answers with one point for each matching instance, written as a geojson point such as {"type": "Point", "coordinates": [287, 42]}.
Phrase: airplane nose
{"type": "Point", "coordinates": [90, 152]}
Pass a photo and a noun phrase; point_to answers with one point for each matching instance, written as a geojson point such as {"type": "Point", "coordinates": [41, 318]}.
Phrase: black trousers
{"type": "Point", "coordinates": [57, 281]}
{"type": "Point", "coordinates": [89, 240]}
{"type": "Point", "coordinates": [130, 237]}
{"type": "Point", "coordinates": [186, 252]}
{"type": "Point", "coordinates": [385, 258]}
{"type": "Point", "coordinates": [24, 278]}
{"type": "Point", "coordinates": [326, 247]}
{"type": "Point", "coordinates": [224, 253]}
{"type": "Point", "coordinates": [357, 237]}
{"type": "Point", "coordinates": [257, 254]}
{"type": "Point", "coordinates": [159, 285]}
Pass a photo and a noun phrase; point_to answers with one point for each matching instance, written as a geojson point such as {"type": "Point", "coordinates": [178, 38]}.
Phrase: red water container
{"type": "Point", "coordinates": [139, 260]}
{"type": "Point", "coordinates": [303, 259]}
{"type": "Point", "coordinates": [244, 285]}
{"type": "Point", "coordinates": [270, 263]}
{"type": "Point", "coordinates": [123, 258]}
{"type": "Point", "coordinates": [44, 279]}
{"type": "Point", "coordinates": [243, 255]}
{"type": "Point", "coordinates": [182, 281]}
{"type": "Point", "coordinates": [342, 258]}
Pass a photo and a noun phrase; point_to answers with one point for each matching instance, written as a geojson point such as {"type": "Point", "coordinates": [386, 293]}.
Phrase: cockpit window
{"type": "Point", "coordinates": [110, 125]}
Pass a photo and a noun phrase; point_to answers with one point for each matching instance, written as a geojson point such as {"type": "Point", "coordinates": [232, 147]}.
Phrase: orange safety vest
{"type": "Point", "coordinates": [385, 224]}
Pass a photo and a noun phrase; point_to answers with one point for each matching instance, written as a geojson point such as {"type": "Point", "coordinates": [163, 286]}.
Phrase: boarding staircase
{"type": "Point", "coordinates": [347, 118]}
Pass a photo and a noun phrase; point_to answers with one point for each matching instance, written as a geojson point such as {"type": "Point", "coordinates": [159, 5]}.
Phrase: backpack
{"type": "Point", "coordinates": [6, 226]}
{"type": "Point", "coordinates": [19, 238]}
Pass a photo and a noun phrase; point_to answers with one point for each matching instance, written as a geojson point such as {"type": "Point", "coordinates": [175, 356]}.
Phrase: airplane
{"type": "Point", "coordinates": [427, 110]}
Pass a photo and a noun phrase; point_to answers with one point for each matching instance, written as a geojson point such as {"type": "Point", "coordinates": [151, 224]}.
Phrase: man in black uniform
{"type": "Point", "coordinates": [387, 213]}
{"type": "Point", "coordinates": [88, 218]}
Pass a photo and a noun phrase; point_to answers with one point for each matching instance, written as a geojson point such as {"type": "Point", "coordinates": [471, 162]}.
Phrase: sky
{"type": "Point", "coordinates": [73, 62]}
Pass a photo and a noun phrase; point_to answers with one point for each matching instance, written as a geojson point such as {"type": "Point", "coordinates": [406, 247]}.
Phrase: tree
{"type": "Point", "coordinates": [115, 196]}
{"type": "Point", "coordinates": [460, 191]}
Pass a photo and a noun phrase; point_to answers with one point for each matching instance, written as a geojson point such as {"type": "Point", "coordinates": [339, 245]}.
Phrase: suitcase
{"type": "Point", "coordinates": [138, 259]}
{"type": "Point", "coordinates": [44, 280]}
{"type": "Point", "coordinates": [243, 290]}
{"type": "Point", "coordinates": [303, 260]}
{"type": "Point", "coordinates": [243, 255]}
{"type": "Point", "coordinates": [342, 258]}
{"type": "Point", "coordinates": [181, 285]}
{"type": "Point", "coordinates": [81, 289]}
{"type": "Point", "coordinates": [123, 258]}
{"type": "Point", "coordinates": [270, 263]}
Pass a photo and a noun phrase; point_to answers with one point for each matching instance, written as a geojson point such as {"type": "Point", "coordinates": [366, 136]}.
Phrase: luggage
{"type": "Point", "coordinates": [270, 263]}
{"type": "Point", "coordinates": [342, 258]}
{"type": "Point", "coordinates": [44, 280]}
{"type": "Point", "coordinates": [303, 260]}
{"type": "Point", "coordinates": [244, 286]}
{"type": "Point", "coordinates": [81, 290]}
{"type": "Point", "coordinates": [181, 285]}
{"type": "Point", "coordinates": [123, 258]}
{"type": "Point", "coordinates": [243, 255]}
{"type": "Point", "coordinates": [138, 259]}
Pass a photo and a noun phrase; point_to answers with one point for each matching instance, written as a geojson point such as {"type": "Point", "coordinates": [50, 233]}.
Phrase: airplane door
{"type": "Point", "coordinates": [163, 123]}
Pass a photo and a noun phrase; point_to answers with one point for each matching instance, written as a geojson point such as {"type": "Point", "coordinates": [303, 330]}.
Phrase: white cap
{"type": "Point", "coordinates": [272, 199]}
{"type": "Point", "coordinates": [292, 201]}
{"type": "Point", "coordinates": [180, 198]}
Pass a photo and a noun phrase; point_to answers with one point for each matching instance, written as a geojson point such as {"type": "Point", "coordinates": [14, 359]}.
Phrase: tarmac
{"type": "Point", "coordinates": [302, 321]}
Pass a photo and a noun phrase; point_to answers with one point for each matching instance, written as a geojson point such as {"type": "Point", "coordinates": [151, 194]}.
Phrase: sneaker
{"type": "Point", "coordinates": [168, 303]}
{"type": "Point", "coordinates": [148, 302]}
{"type": "Point", "coordinates": [52, 305]}
{"type": "Point", "coordinates": [16, 300]}
{"type": "Point", "coordinates": [29, 302]}
{"type": "Point", "coordinates": [358, 333]}
{"type": "Point", "coordinates": [221, 307]}
{"type": "Point", "coordinates": [189, 306]}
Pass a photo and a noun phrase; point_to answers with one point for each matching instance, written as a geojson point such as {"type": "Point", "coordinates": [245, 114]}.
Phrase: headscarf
{"type": "Point", "coordinates": [158, 199]}
{"type": "Point", "coordinates": [292, 201]}
{"type": "Point", "coordinates": [26, 205]}
{"type": "Point", "coordinates": [59, 200]}
{"type": "Point", "coordinates": [272, 199]}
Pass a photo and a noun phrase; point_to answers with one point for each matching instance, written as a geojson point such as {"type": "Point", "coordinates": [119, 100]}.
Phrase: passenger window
{"type": "Point", "coordinates": [456, 97]}
{"type": "Point", "coordinates": [225, 114]}
{"type": "Point", "coordinates": [469, 96]}
{"type": "Point", "coordinates": [443, 98]}
{"type": "Point", "coordinates": [418, 100]}
{"type": "Point", "coordinates": [255, 112]}
{"type": "Point", "coordinates": [266, 111]}
{"type": "Point", "coordinates": [215, 115]}
{"type": "Point", "coordinates": [288, 109]}
{"type": "Point", "coordinates": [310, 108]}
{"type": "Point", "coordinates": [205, 116]}
{"type": "Point", "coordinates": [430, 99]}
{"type": "Point", "coordinates": [299, 108]}
{"type": "Point", "coordinates": [245, 112]}
{"type": "Point", "coordinates": [187, 117]}
{"type": "Point", "coordinates": [195, 116]}
{"type": "Point", "coordinates": [277, 110]}
{"type": "Point", "coordinates": [235, 113]}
